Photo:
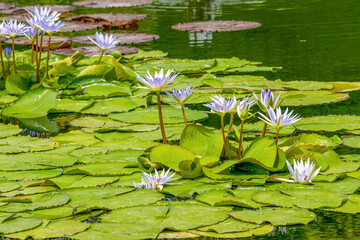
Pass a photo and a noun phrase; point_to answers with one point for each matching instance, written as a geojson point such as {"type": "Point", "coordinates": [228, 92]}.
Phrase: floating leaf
{"type": "Point", "coordinates": [17, 85]}
{"type": "Point", "coordinates": [266, 229]}
{"type": "Point", "coordinates": [305, 98]}
{"type": "Point", "coordinates": [353, 142]}
{"type": "Point", "coordinates": [7, 186]}
{"type": "Point", "coordinates": [33, 104]}
{"type": "Point", "coordinates": [352, 205]}
{"type": "Point", "coordinates": [75, 181]}
{"type": "Point", "coordinates": [105, 90]}
{"type": "Point", "coordinates": [25, 144]}
{"type": "Point", "coordinates": [229, 225]}
{"type": "Point", "coordinates": [330, 123]}
{"type": "Point", "coordinates": [275, 216]}
{"type": "Point", "coordinates": [103, 169]}
{"type": "Point", "coordinates": [85, 139]}
{"type": "Point", "coordinates": [29, 175]}
{"type": "Point", "coordinates": [71, 105]}
{"type": "Point", "coordinates": [311, 198]}
{"type": "Point", "coordinates": [7, 130]}
{"type": "Point", "coordinates": [151, 116]}
{"type": "Point", "coordinates": [129, 155]}
{"type": "Point", "coordinates": [107, 106]}
{"type": "Point", "coordinates": [18, 225]}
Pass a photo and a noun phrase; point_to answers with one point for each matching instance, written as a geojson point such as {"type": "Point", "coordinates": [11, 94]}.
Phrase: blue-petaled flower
{"type": "Point", "coordinates": [30, 34]}
{"type": "Point", "coordinates": [158, 81]}
{"type": "Point", "coordinates": [51, 27]}
{"type": "Point", "coordinates": [182, 95]}
{"type": "Point", "coordinates": [244, 107]}
{"type": "Point", "coordinates": [156, 181]}
{"type": "Point", "coordinates": [7, 52]}
{"type": "Point", "coordinates": [104, 42]}
{"type": "Point", "coordinates": [220, 105]}
{"type": "Point", "coordinates": [268, 99]}
{"type": "Point", "coordinates": [301, 172]}
{"type": "Point", "coordinates": [279, 120]}
{"type": "Point", "coordinates": [42, 14]}
{"type": "Point", "coordinates": [14, 28]}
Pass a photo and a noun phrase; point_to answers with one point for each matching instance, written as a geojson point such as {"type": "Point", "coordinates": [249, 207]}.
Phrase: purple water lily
{"type": "Point", "coordinates": [220, 105]}
{"type": "Point", "coordinates": [158, 81]}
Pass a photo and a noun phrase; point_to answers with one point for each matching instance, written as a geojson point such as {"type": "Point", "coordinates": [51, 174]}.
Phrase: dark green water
{"type": "Point", "coordinates": [315, 40]}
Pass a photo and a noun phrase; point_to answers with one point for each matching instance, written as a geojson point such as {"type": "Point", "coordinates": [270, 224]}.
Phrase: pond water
{"type": "Point", "coordinates": [316, 40]}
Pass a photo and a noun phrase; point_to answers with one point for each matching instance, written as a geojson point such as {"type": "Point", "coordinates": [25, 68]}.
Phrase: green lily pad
{"type": "Point", "coordinates": [352, 141]}
{"type": "Point", "coordinates": [20, 144]}
{"type": "Point", "coordinates": [122, 144]}
{"type": "Point", "coordinates": [40, 125]}
{"type": "Point", "coordinates": [71, 105]}
{"type": "Point", "coordinates": [241, 197]}
{"type": "Point", "coordinates": [111, 197]}
{"type": "Point", "coordinates": [170, 155]}
{"type": "Point", "coordinates": [75, 181]}
{"type": "Point", "coordinates": [107, 106]}
{"type": "Point", "coordinates": [306, 98]}
{"type": "Point", "coordinates": [85, 139]}
{"type": "Point", "coordinates": [330, 123]}
{"type": "Point", "coordinates": [230, 225]}
{"type": "Point", "coordinates": [27, 175]}
{"type": "Point", "coordinates": [275, 216]}
{"type": "Point", "coordinates": [96, 70]}
{"type": "Point", "coordinates": [47, 200]}
{"type": "Point", "coordinates": [53, 229]}
{"type": "Point", "coordinates": [104, 90]}
{"type": "Point", "coordinates": [149, 136]}
{"type": "Point", "coordinates": [346, 186]}
{"type": "Point", "coordinates": [194, 136]}
{"type": "Point", "coordinates": [129, 155]}
{"type": "Point", "coordinates": [352, 205]}
{"type": "Point", "coordinates": [103, 169]}
{"type": "Point", "coordinates": [266, 229]}
{"type": "Point", "coordinates": [14, 225]}
{"type": "Point", "coordinates": [33, 104]}
{"type": "Point", "coordinates": [314, 142]}
{"type": "Point", "coordinates": [7, 130]}
{"type": "Point", "coordinates": [29, 191]}
{"type": "Point", "coordinates": [35, 161]}
{"type": "Point", "coordinates": [187, 188]}
{"type": "Point", "coordinates": [88, 151]}
{"type": "Point", "coordinates": [150, 116]}
{"type": "Point", "coordinates": [310, 198]}
{"type": "Point", "coordinates": [7, 186]}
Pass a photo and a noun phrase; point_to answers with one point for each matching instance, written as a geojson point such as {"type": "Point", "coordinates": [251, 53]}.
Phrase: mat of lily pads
{"type": "Point", "coordinates": [79, 183]}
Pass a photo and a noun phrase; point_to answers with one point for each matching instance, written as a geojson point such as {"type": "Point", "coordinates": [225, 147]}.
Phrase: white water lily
{"type": "Point", "coordinates": [301, 172]}
{"type": "Point", "coordinates": [156, 181]}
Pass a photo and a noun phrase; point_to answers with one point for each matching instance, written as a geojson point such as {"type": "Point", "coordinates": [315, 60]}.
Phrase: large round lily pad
{"type": "Point", "coordinates": [216, 26]}
{"type": "Point", "coordinates": [94, 50]}
{"type": "Point", "coordinates": [123, 38]}
{"type": "Point", "coordinates": [77, 27]}
{"type": "Point", "coordinates": [150, 116]}
{"type": "Point", "coordinates": [265, 229]}
{"type": "Point", "coordinates": [23, 41]}
{"type": "Point", "coordinates": [330, 123]}
{"type": "Point", "coordinates": [111, 3]}
{"type": "Point", "coordinates": [276, 216]}
{"type": "Point", "coordinates": [19, 224]}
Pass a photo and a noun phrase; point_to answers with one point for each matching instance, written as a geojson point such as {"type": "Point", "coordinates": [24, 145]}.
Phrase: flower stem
{"type": "Point", "coordinates": [183, 112]}
{"type": "Point", "coordinates": [41, 46]}
{"type": "Point", "coordinates": [224, 138]}
{"type": "Point", "coordinates": [36, 56]}
{"type": "Point", "coordinates": [161, 118]}
{"type": "Point", "coordinates": [13, 48]}
{"type": "Point", "coordinates": [47, 58]}
{"type": "Point", "coordinates": [240, 139]}
{"type": "Point", "coordinates": [277, 136]}
{"type": "Point", "coordinates": [264, 130]}
{"type": "Point", "coordinates": [2, 63]}
{"type": "Point", "coordinates": [230, 125]}
{"type": "Point", "coordinates": [32, 53]}
{"type": "Point", "coordinates": [102, 53]}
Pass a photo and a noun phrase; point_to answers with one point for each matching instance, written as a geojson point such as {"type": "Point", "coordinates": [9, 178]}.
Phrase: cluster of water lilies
{"type": "Point", "coordinates": [38, 23]}
{"type": "Point", "coordinates": [268, 103]}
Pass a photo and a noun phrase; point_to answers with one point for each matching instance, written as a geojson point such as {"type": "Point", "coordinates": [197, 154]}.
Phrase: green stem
{"type": "Point", "coordinates": [277, 136]}
{"type": "Point", "coordinates": [41, 46]}
{"type": "Point", "coordinates": [2, 63]}
{"type": "Point", "coordinates": [32, 53]}
{"type": "Point", "coordinates": [102, 53]}
{"type": "Point", "coordinates": [224, 138]}
{"type": "Point", "coordinates": [13, 48]}
{"type": "Point", "coordinates": [230, 125]}
{"type": "Point", "coordinates": [161, 118]}
{"type": "Point", "coordinates": [183, 112]}
{"type": "Point", "coordinates": [240, 139]}
{"type": "Point", "coordinates": [47, 58]}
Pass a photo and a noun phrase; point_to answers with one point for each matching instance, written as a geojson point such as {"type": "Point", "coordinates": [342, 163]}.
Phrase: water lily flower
{"type": "Point", "coordinates": [181, 97]}
{"type": "Point", "coordinates": [156, 181]}
{"type": "Point", "coordinates": [1, 56]}
{"type": "Point", "coordinates": [243, 113]}
{"type": "Point", "coordinates": [158, 81]}
{"type": "Point", "coordinates": [301, 172]}
{"type": "Point", "coordinates": [42, 14]}
{"type": "Point", "coordinates": [221, 106]}
{"type": "Point", "coordinates": [104, 42]}
{"type": "Point", "coordinates": [279, 120]}
{"type": "Point", "coordinates": [14, 29]}
{"type": "Point", "coordinates": [268, 99]}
